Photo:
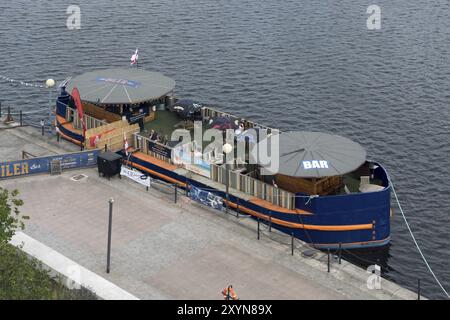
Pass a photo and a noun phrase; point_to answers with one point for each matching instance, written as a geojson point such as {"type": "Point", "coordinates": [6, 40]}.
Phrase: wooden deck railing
{"type": "Point", "coordinates": [253, 186]}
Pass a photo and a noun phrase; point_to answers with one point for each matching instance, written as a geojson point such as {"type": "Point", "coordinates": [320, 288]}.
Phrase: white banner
{"type": "Point", "coordinates": [136, 175]}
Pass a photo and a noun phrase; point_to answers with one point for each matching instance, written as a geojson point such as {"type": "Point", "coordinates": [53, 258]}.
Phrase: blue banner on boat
{"type": "Point", "coordinates": [206, 198]}
{"type": "Point", "coordinates": [25, 167]}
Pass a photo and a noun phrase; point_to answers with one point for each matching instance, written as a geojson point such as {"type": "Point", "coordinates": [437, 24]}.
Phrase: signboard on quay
{"type": "Point", "coordinates": [12, 169]}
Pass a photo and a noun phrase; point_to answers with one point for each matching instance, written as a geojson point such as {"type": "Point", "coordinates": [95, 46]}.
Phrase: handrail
{"type": "Point", "coordinates": [27, 155]}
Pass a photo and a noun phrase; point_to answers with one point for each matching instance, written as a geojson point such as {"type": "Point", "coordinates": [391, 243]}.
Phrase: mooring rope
{"type": "Point", "coordinates": [23, 83]}
{"type": "Point", "coordinates": [415, 241]}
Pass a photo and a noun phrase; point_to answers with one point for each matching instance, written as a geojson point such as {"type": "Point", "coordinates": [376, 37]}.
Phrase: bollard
{"type": "Point", "coordinates": [292, 244]}
{"type": "Point", "coordinates": [176, 191]}
{"type": "Point", "coordinates": [187, 187]}
{"type": "Point", "coordinates": [328, 260]}
{"type": "Point", "coordinates": [418, 289]}
{"type": "Point", "coordinates": [9, 117]}
{"type": "Point", "coordinates": [270, 223]}
{"type": "Point", "coordinates": [237, 208]}
{"type": "Point", "coordinates": [340, 250]}
{"type": "Point", "coordinates": [57, 136]}
{"type": "Point", "coordinates": [0, 109]}
{"type": "Point", "coordinates": [42, 127]}
{"type": "Point", "coordinates": [258, 228]}
{"type": "Point", "coordinates": [20, 118]}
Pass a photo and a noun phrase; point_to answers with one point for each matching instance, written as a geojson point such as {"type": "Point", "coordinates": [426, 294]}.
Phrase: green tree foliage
{"type": "Point", "coordinates": [22, 277]}
{"type": "Point", "coordinates": [10, 218]}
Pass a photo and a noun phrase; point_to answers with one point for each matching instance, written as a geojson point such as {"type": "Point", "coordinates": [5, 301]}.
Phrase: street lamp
{"type": "Point", "coordinates": [50, 83]}
{"type": "Point", "coordinates": [108, 252]}
{"type": "Point", "coordinates": [227, 149]}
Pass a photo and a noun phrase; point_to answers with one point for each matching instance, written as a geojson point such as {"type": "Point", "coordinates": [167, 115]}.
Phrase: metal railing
{"type": "Point", "coordinates": [208, 112]}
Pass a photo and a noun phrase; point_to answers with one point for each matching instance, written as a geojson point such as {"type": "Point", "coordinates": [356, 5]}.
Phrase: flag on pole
{"type": "Point", "coordinates": [125, 143]}
{"type": "Point", "coordinates": [135, 57]}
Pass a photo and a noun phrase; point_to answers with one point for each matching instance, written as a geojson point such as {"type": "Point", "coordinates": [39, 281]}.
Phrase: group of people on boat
{"type": "Point", "coordinates": [158, 137]}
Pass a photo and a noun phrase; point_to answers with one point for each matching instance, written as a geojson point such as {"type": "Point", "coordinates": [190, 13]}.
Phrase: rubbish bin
{"type": "Point", "coordinates": [109, 164]}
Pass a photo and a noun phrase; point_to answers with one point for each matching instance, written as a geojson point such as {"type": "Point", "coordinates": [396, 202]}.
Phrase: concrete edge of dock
{"type": "Point", "coordinates": [71, 273]}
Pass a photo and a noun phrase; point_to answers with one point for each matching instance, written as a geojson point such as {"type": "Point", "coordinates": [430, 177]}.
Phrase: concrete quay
{"type": "Point", "coordinates": [163, 250]}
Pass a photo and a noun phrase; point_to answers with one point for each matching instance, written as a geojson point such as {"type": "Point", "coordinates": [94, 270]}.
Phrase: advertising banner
{"type": "Point", "coordinates": [25, 167]}
{"type": "Point", "coordinates": [159, 149]}
{"type": "Point", "coordinates": [206, 198]}
{"type": "Point", "coordinates": [136, 176]}
{"type": "Point", "coordinates": [192, 161]}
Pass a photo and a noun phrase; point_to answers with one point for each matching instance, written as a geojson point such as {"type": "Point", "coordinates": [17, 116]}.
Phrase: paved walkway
{"type": "Point", "coordinates": [15, 140]}
{"type": "Point", "coordinates": [166, 251]}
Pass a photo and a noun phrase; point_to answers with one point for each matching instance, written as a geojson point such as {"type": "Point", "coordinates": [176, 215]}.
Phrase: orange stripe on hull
{"type": "Point", "coordinates": [293, 225]}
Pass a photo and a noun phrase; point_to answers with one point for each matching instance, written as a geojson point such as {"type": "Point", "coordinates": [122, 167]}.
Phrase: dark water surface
{"type": "Point", "coordinates": [302, 65]}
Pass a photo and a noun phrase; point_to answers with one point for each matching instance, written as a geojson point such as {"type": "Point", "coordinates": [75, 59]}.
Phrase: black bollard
{"type": "Point", "coordinates": [292, 244]}
{"type": "Point", "coordinates": [328, 260]}
{"type": "Point", "coordinates": [258, 228]}
{"type": "Point", "coordinates": [270, 223]}
{"type": "Point", "coordinates": [340, 252]}
{"type": "Point", "coordinates": [237, 208]}
{"type": "Point", "coordinates": [9, 117]}
{"type": "Point", "coordinates": [176, 191]}
{"type": "Point", "coordinates": [0, 109]}
{"type": "Point", "coordinates": [418, 289]}
{"type": "Point", "coordinates": [20, 118]}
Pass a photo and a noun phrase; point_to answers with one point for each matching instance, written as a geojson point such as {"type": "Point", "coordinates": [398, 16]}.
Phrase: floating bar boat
{"type": "Point", "coordinates": [324, 191]}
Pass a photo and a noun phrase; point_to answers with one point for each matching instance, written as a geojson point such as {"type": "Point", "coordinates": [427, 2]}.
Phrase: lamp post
{"type": "Point", "coordinates": [108, 254]}
{"type": "Point", "coordinates": [50, 83]}
{"type": "Point", "coordinates": [227, 149]}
